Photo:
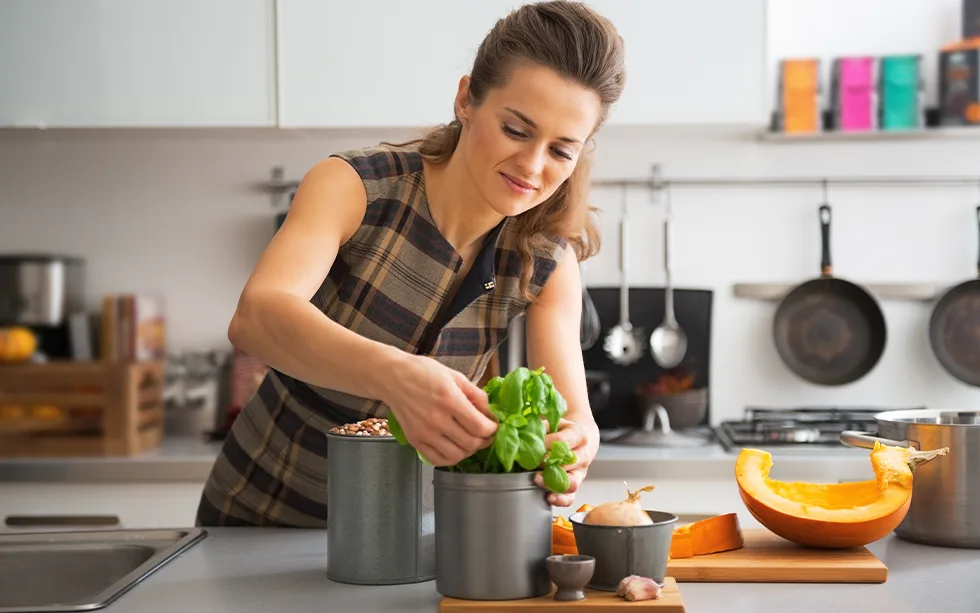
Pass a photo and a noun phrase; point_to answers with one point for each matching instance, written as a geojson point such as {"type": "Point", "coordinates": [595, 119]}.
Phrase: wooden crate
{"type": "Point", "coordinates": [106, 409]}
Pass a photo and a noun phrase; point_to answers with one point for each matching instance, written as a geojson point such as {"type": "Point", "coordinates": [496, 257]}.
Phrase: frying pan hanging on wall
{"type": "Point", "coordinates": [827, 330]}
{"type": "Point", "coordinates": [954, 329]}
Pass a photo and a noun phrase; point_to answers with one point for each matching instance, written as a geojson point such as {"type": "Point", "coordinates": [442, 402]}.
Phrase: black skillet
{"type": "Point", "coordinates": [827, 330]}
{"type": "Point", "coordinates": [954, 329]}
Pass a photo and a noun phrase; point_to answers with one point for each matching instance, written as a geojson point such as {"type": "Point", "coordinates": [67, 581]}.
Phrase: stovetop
{"type": "Point", "coordinates": [795, 427]}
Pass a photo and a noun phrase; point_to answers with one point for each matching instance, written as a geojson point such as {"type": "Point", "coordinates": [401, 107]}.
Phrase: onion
{"type": "Point", "coordinates": [621, 513]}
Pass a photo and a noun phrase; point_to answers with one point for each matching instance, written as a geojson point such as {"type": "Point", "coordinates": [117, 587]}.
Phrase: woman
{"type": "Point", "coordinates": [399, 268]}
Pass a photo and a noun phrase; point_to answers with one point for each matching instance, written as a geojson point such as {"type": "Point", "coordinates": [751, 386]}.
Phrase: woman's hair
{"type": "Point", "coordinates": [580, 45]}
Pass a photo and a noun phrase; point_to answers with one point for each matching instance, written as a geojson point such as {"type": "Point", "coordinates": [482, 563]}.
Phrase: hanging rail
{"type": "Point", "coordinates": [657, 181]}
{"type": "Point", "coordinates": [790, 181]}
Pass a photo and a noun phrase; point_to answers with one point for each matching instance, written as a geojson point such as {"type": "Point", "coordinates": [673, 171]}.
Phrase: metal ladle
{"type": "Point", "coordinates": [668, 343]}
{"type": "Point", "coordinates": [624, 343]}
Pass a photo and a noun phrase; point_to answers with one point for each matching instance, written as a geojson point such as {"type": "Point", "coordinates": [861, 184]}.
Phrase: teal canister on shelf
{"type": "Point", "coordinates": [901, 93]}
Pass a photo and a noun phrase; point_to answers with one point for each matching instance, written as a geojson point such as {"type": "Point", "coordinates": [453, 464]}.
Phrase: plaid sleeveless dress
{"type": "Point", "coordinates": [389, 283]}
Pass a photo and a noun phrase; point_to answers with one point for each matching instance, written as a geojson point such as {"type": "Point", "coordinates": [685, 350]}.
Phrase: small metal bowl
{"type": "Point", "coordinates": [621, 551]}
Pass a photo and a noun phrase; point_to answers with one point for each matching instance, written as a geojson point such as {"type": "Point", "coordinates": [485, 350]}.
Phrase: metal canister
{"type": "Point", "coordinates": [493, 536]}
{"type": "Point", "coordinates": [380, 512]}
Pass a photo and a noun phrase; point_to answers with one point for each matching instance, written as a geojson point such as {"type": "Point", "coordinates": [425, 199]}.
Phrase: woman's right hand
{"type": "Point", "coordinates": [442, 413]}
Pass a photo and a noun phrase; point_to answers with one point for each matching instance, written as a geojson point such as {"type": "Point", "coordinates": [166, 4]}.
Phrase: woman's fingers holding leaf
{"type": "Point", "coordinates": [566, 498]}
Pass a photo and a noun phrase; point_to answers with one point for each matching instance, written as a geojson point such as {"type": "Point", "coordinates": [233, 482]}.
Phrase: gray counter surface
{"type": "Point", "coordinates": [244, 570]}
{"type": "Point", "coordinates": [190, 459]}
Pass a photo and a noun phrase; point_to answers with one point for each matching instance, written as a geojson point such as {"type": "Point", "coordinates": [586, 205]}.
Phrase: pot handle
{"type": "Point", "coordinates": [866, 440]}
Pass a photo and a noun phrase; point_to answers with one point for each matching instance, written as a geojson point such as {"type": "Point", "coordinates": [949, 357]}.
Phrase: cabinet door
{"type": "Point", "coordinates": [108, 63]}
{"type": "Point", "coordinates": [691, 62]}
{"type": "Point", "coordinates": [377, 63]}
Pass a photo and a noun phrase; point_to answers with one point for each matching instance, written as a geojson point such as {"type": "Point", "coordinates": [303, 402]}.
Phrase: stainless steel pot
{"type": "Point", "coordinates": [40, 290]}
{"type": "Point", "coordinates": [380, 516]}
{"type": "Point", "coordinates": [945, 508]}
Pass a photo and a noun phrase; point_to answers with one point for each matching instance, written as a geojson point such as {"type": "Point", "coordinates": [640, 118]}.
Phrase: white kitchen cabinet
{"type": "Point", "coordinates": [692, 62]}
{"type": "Point", "coordinates": [377, 63]}
{"type": "Point", "coordinates": [137, 505]}
{"type": "Point", "coordinates": [151, 63]}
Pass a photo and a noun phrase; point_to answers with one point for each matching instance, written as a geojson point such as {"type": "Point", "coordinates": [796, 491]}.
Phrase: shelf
{"type": "Point", "coordinates": [891, 135]}
{"type": "Point", "coordinates": [916, 292]}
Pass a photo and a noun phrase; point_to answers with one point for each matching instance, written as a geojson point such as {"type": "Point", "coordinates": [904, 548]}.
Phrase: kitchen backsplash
{"type": "Point", "coordinates": [178, 213]}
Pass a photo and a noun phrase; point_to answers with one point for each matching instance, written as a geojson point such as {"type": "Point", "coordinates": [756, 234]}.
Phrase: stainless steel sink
{"type": "Point", "coordinates": [82, 571]}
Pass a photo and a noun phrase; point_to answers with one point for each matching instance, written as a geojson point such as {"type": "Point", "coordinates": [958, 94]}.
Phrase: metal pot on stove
{"type": "Point", "coordinates": [945, 507]}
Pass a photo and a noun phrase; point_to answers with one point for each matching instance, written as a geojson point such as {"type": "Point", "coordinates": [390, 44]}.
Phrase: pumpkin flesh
{"type": "Point", "coordinates": [831, 515]}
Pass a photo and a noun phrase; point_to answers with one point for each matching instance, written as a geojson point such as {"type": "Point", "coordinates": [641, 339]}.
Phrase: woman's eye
{"type": "Point", "coordinates": [509, 131]}
{"type": "Point", "coordinates": [563, 154]}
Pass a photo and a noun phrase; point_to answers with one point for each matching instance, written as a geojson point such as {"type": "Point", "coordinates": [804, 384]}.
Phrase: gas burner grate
{"type": "Point", "coordinates": [819, 426]}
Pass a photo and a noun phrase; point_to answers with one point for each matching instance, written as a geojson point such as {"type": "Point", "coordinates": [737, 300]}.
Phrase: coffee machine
{"type": "Point", "coordinates": [46, 294]}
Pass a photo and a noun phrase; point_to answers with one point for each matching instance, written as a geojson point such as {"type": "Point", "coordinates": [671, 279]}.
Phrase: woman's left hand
{"type": "Point", "coordinates": [578, 441]}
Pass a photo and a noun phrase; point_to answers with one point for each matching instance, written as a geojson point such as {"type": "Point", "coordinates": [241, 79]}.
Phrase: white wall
{"type": "Point", "coordinates": [177, 213]}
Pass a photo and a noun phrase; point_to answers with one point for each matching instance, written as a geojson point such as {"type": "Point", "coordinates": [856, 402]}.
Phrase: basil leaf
{"type": "Point", "coordinates": [511, 397]}
{"type": "Point", "coordinates": [507, 443]}
{"type": "Point", "coordinates": [537, 393]}
{"type": "Point", "coordinates": [536, 427]}
{"type": "Point", "coordinates": [555, 478]}
{"type": "Point", "coordinates": [499, 413]}
{"type": "Point", "coordinates": [517, 420]}
{"type": "Point", "coordinates": [396, 429]}
{"type": "Point", "coordinates": [531, 452]}
{"type": "Point", "coordinates": [552, 412]}
{"type": "Point", "coordinates": [423, 458]}
{"type": "Point", "coordinates": [492, 388]}
{"type": "Point", "coordinates": [556, 455]}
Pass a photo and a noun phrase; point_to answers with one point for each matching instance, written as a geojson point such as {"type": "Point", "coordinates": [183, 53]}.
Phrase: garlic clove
{"type": "Point", "coordinates": [642, 588]}
{"type": "Point", "coordinates": [624, 583]}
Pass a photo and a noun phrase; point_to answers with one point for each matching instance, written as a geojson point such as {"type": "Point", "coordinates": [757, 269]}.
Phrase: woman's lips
{"type": "Point", "coordinates": [517, 185]}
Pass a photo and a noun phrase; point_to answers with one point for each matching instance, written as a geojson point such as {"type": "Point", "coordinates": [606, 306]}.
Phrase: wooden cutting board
{"type": "Point", "coordinates": [595, 602]}
{"type": "Point", "coordinates": [767, 558]}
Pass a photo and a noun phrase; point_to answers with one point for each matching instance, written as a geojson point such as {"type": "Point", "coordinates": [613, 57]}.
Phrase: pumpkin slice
{"type": "Point", "coordinates": [832, 515]}
{"type": "Point", "coordinates": [711, 535]}
{"type": "Point", "coordinates": [562, 534]}
{"type": "Point", "coordinates": [562, 537]}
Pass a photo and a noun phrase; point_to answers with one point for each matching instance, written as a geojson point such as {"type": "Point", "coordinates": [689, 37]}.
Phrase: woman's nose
{"type": "Point", "coordinates": [532, 160]}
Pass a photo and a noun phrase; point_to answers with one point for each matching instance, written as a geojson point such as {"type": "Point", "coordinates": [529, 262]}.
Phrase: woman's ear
{"type": "Point", "coordinates": [462, 103]}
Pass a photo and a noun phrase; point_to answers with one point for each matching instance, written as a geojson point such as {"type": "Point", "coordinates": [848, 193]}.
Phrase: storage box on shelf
{"type": "Point", "coordinates": [60, 409]}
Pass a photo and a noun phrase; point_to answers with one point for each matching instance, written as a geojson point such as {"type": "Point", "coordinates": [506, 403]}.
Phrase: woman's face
{"type": "Point", "coordinates": [525, 139]}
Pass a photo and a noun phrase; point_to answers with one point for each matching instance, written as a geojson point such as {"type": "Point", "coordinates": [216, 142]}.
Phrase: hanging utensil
{"type": "Point", "coordinates": [668, 343]}
{"type": "Point", "coordinates": [954, 329]}
{"type": "Point", "coordinates": [828, 330]}
{"type": "Point", "coordinates": [622, 344]}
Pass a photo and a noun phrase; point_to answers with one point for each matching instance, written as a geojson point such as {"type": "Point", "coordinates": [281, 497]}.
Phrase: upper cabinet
{"type": "Point", "coordinates": [118, 63]}
{"type": "Point", "coordinates": [380, 63]}
{"type": "Point", "coordinates": [377, 63]}
{"type": "Point", "coordinates": [691, 62]}
{"type": "Point", "coordinates": [332, 64]}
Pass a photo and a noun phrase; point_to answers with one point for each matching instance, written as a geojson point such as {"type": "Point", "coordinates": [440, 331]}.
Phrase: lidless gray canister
{"type": "Point", "coordinates": [493, 536]}
{"type": "Point", "coordinates": [380, 512]}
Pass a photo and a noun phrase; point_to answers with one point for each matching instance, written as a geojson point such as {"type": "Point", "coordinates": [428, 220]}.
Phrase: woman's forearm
{"type": "Point", "coordinates": [292, 336]}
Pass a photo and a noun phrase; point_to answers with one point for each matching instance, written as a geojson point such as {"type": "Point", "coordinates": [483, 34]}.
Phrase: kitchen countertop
{"type": "Point", "coordinates": [190, 459]}
{"type": "Point", "coordinates": [240, 570]}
